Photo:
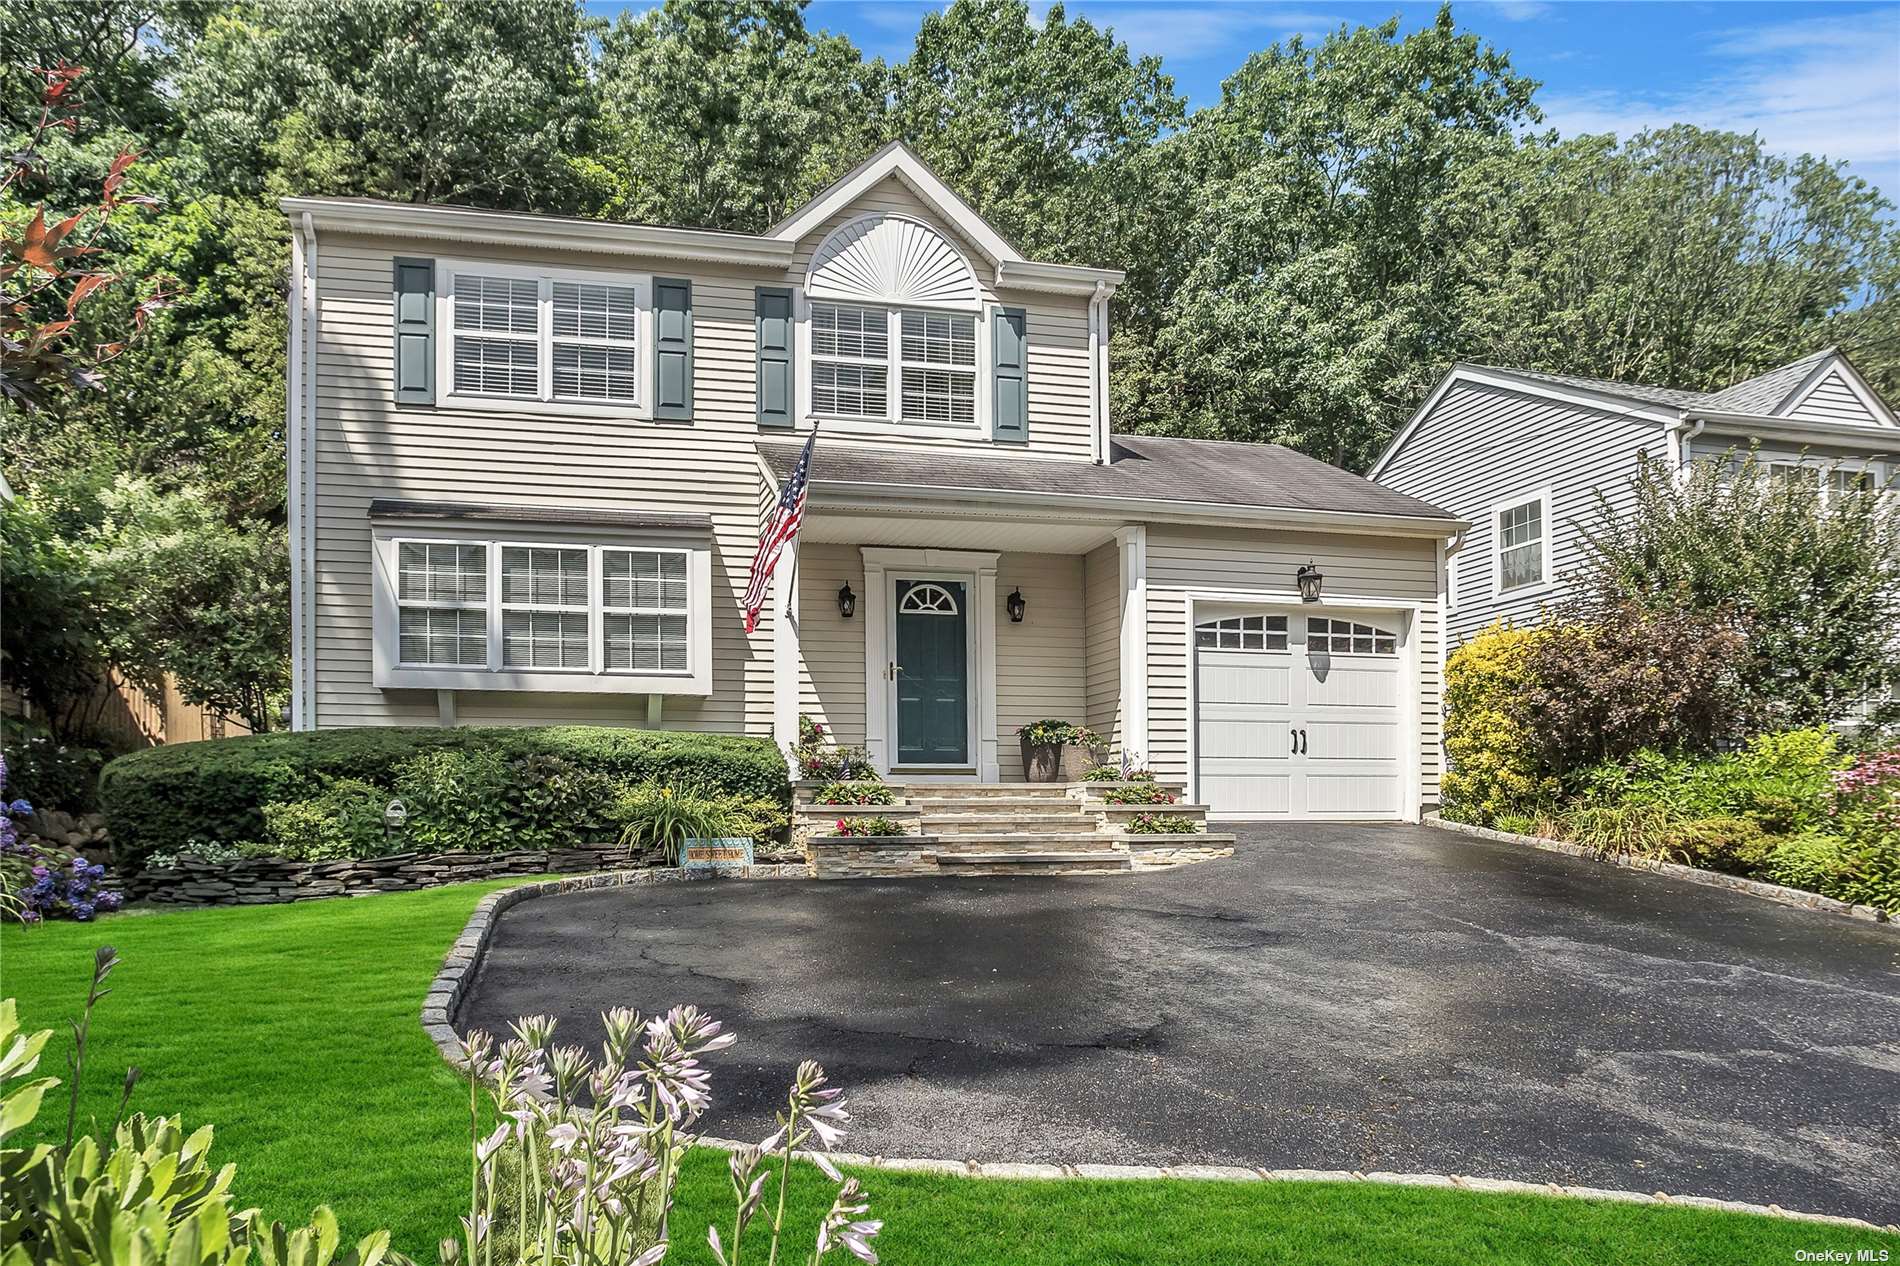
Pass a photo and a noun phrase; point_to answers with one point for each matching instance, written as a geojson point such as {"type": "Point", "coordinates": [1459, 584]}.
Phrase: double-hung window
{"type": "Point", "coordinates": [1523, 537]}
{"type": "Point", "coordinates": [522, 336]}
{"type": "Point", "coordinates": [644, 610]}
{"type": "Point", "coordinates": [442, 603]}
{"type": "Point", "coordinates": [937, 366]}
{"type": "Point", "coordinates": [545, 607]}
{"type": "Point", "coordinates": [850, 360]}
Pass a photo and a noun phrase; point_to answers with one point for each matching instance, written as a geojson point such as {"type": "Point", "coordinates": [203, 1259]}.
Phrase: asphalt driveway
{"type": "Point", "coordinates": [1333, 997]}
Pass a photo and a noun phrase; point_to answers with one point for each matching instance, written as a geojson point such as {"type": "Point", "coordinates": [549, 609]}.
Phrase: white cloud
{"type": "Point", "coordinates": [1825, 86]}
{"type": "Point", "coordinates": [1518, 10]}
{"type": "Point", "coordinates": [1188, 32]}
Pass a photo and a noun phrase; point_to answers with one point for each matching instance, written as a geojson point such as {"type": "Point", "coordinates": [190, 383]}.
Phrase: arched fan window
{"type": "Point", "coordinates": [927, 599]}
{"type": "Point", "coordinates": [893, 314]}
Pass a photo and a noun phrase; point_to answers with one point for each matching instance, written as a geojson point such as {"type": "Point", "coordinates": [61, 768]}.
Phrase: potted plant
{"type": "Point", "coordinates": [1057, 751]}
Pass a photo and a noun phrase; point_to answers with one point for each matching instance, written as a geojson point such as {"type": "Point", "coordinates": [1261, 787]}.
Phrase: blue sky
{"type": "Point", "coordinates": [1810, 77]}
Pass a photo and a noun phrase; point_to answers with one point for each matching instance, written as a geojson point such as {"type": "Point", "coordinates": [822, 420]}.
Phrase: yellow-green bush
{"type": "Point", "coordinates": [1494, 769]}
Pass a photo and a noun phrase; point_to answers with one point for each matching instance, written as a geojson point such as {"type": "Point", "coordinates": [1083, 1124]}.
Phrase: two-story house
{"type": "Point", "coordinates": [530, 458]}
{"type": "Point", "coordinates": [1523, 457]}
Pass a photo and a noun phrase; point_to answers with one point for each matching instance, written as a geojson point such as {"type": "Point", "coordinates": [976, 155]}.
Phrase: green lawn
{"type": "Point", "coordinates": [293, 1030]}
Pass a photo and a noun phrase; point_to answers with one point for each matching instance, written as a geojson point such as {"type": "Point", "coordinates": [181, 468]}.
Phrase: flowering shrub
{"type": "Point", "coordinates": [1138, 793]}
{"type": "Point", "coordinates": [855, 793]}
{"type": "Point", "coordinates": [1867, 816]}
{"type": "Point", "coordinates": [819, 762]}
{"type": "Point", "coordinates": [595, 1147]}
{"type": "Point", "coordinates": [38, 883]}
{"type": "Point", "coordinates": [879, 825]}
{"type": "Point", "coordinates": [1163, 824]}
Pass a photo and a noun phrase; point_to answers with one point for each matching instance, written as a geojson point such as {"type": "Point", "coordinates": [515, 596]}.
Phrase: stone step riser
{"type": "Point", "coordinates": [946, 826]}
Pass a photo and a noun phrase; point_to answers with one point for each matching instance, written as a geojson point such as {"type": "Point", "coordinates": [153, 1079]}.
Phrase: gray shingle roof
{"type": "Point", "coordinates": [1757, 395]}
{"type": "Point", "coordinates": [1141, 467]}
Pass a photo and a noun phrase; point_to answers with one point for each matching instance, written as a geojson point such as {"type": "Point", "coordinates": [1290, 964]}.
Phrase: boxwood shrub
{"type": "Point", "coordinates": [215, 791]}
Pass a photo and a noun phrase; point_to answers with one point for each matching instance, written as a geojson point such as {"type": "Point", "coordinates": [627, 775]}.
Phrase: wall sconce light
{"type": "Point", "coordinates": [847, 601]}
{"type": "Point", "coordinates": [1017, 605]}
{"type": "Point", "coordinates": [1309, 579]}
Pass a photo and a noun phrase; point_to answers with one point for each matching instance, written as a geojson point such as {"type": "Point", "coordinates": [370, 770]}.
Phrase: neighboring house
{"type": "Point", "coordinates": [530, 458]}
{"type": "Point", "coordinates": [1523, 456]}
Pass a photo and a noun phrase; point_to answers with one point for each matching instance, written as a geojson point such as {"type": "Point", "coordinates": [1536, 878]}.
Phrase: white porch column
{"type": "Point", "coordinates": [785, 650]}
{"type": "Point", "coordinates": [1133, 541]}
{"type": "Point", "coordinates": [877, 660]}
{"type": "Point", "coordinates": [989, 766]}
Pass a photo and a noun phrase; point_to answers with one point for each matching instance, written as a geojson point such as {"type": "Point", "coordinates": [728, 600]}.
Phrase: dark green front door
{"type": "Point", "coordinates": [933, 673]}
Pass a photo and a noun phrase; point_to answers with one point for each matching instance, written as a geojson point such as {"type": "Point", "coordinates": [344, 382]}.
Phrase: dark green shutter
{"type": "Point", "coordinates": [1009, 357]}
{"type": "Point", "coordinates": [672, 348]}
{"type": "Point", "coordinates": [777, 398]}
{"type": "Point", "coordinates": [415, 331]}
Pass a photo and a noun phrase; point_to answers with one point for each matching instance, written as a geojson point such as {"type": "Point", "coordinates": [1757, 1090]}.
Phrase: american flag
{"type": "Point", "coordinates": [787, 515]}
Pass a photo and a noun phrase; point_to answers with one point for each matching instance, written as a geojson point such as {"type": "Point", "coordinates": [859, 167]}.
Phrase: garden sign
{"type": "Point", "coordinates": [716, 855]}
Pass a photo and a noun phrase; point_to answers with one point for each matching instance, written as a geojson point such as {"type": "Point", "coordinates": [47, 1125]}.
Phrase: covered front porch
{"type": "Point", "coordinates": [928, 638]}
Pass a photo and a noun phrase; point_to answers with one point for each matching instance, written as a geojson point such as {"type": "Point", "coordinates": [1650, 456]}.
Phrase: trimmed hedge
{"type": "Point", "coordinates": [215, 791]}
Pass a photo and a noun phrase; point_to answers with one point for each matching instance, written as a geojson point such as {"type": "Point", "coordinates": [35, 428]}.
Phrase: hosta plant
{"type": "Point", "coordinates": [596, 1146]}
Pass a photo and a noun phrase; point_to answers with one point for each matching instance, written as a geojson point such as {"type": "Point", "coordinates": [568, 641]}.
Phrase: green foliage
{"type": "Point", "coordinates": [764, 819]}
{"type": "Point", "coordinates": [1815, 862]}
{"type": "Point", "coordinates": [346, 820]}
{"type": "Point", "coordinates": [1052, 732]}
{"type": "Point", "coordinates": [1616, 679]}
{"type": "Point", "coordinates": [52, 641]}
{"type": "Point", "coordinates": [1138, 793]}
{"type": "Point", "coordinates": [151, 1196]}
{"type": "Point", "coordinates": [1736, 845]}
{"type": "Point", "coordinates": [49, 774]}
{"type": "Point", "coordinates": [1163, 824]}
{"type": "Point", "coordinates": [216, 790]}
{"type": "Point", "coordinates": [661, 818]}
{"type": "Point", "coordinates": [1493, 766]}
{"type": "Point", "coordinates": [854, 793]}
{"type": "Point", "coordinates": [1812, 585]}
{"type": "Point", "coordinates": [877, 825]}
{"type": "Point", "coordinates": [455, 800]}
{"type": "Point", "coordinates": [552, 802]}
{"type": "Point", "coordinates": [1784, 783]}
{"type": "Point", "coordinates": [1633, 830]}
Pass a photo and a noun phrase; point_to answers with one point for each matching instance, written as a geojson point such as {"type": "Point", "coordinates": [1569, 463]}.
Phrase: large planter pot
{"type": "Point", "coordinates": [1053, 762]}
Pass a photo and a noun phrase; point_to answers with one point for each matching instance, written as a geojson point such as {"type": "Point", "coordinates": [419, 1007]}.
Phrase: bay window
{"type": "Point", "coordinates": [442, 600]}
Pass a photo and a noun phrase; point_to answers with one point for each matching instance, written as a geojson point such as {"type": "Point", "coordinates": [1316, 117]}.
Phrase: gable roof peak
{"type": "Point", "coordinates": [895, 158]}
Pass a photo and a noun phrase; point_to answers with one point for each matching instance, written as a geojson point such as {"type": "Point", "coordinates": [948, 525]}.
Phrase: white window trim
{"type": "Point", "coordinates": [1874, 470]}
{"type": "Point", "coordinates": [1542, 496]}
{"type": "Point", "coordinates": [640, 407]}
{"type": "Point", "coordinates": [391, 673]}
{"type": "Point", "coordinates": [891, 423]}
{"type": "Point", "coordinates": [499, 607]}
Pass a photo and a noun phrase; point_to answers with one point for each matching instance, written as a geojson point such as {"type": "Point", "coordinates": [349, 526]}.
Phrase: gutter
{"type": "Point", "coordinates": [1878, 439]}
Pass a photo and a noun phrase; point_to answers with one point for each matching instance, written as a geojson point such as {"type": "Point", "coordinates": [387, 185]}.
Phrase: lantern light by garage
{"type": "Point", "coordinates": [1017, 605]}
{"type": "Point", "coordinates": [1309, 579]}
{"type": "Point", "coordinates": [847, 601]}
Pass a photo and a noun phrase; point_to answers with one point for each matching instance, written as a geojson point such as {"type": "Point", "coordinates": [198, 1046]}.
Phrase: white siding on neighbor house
{"type": "Point", "coordinates": [367, 448]}
{"type": "Point", "coordinates": [1189, 560]}
{"type": "Point", "coordinates": [1060, 424]}
{"type": "Point", "coordinates": [1042, 663]}
{"type": "Point", "coordinates": [1833, 400]}
{"type": "Point", "coordinates": [1102, 615]}
{"type": "Point", "coordinates": [1483, 445]}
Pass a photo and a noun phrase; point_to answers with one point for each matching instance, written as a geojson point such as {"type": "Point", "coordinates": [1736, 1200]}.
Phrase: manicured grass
{"type": "Point", "coordinates": [293, 1030]}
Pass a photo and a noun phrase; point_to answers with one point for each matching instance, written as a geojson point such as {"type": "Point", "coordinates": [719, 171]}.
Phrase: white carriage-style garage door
{"type": "Point", "coordinates": [1300, 717]}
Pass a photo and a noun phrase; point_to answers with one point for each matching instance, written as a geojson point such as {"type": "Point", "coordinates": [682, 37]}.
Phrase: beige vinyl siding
{"type": "Point", "coordinates": [1041, 664]}
{"type": "Point", "coordinates": [1101, 616]}
{"type": "Point", "coordinates": [367, 447]}
{"type": "Point", "coordinates": [1060, 422]}
{"type": "Point", "coordinates": [1833, 400]}
{"type": "Point", "coordinates": [1483, 445]}
{"type": "Point", "coordinates": [831, 674]}
{"type": "Point", "coordinates": [1183, 560]}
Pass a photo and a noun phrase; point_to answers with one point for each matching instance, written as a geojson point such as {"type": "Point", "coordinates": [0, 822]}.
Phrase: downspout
{"type": "Point", "coordinates": [1679, 435]}
{"type": "Point", "coordinates": [293, 483]}
{"type": "Point", "coordinates": [308, 496]}
{"type": "Point", "coordinates": [1098, 350]}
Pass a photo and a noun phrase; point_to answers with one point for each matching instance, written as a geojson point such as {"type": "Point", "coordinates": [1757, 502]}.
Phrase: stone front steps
{"type": "Point", "coordinates": [971, 828]}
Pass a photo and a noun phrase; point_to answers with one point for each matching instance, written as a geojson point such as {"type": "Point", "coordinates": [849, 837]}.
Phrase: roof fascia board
{"type": "Point", "coordinates": [1855, 383]}
{"type": "Point", "coordinates": [1418, 415]}
{"type": "Point", "coordinates": [1844, 434]}
{"type": "Point", "coordinates": [898, 161]}
{"type": "Point", "coordinates": [849, 494]}
{"type": "Point", "coordinates": [465, 224]}
{"type": "Point", "coordinates": [1064, 279]}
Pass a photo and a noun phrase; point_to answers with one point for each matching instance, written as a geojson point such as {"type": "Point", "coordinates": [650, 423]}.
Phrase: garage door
{"type": "Point", "coordinates": [1300, 717]}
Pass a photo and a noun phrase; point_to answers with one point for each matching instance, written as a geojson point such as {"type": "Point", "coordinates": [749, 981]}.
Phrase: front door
{"type": "Point", "coordinates": [933, 672]}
